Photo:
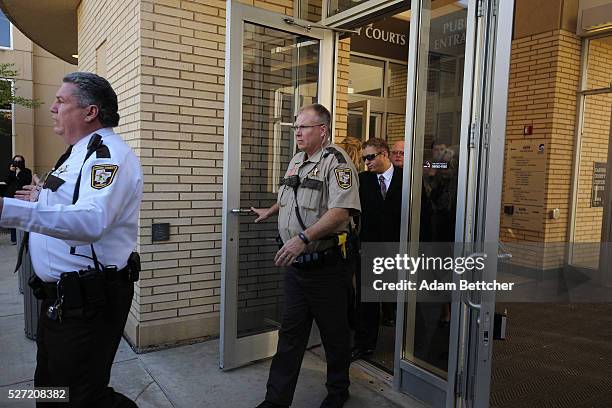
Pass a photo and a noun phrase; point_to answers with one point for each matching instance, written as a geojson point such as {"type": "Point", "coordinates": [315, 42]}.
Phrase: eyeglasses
{"type": "Point", "coordinates": [397, 152]}
{"type": "Point", "coordinates": [370, 157]}
{"type": "Point", "coordinates": [302, 127]}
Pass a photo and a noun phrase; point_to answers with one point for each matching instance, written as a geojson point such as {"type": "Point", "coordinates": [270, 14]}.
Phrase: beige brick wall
{"type": "Point", "coordinates": [119, 35]}
{"type": "Point", "coordinates": [342, 80]}
{"type": "Point", "coordinates": [167, 64]}
{"type": "Point", "coordinates": [544, 74]}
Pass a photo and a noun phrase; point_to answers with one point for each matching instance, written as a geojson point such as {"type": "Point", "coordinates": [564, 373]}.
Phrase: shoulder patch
{"type": "Point", "coordinates": [103, 175]}
{"type": "Point", "coordinates": [344, 177]}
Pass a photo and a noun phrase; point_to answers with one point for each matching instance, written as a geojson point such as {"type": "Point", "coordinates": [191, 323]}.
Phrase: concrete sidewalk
{"type": "Point", "coordinates": [181, 377]}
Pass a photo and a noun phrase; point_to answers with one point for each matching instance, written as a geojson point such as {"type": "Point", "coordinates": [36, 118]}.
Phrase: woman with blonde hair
{"type": "Point", "coordinates": [352, 146]}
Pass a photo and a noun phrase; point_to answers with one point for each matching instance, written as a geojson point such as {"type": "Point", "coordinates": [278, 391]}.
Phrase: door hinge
{"type": "Point", "coordinates": [486, 135]}
{"type": "Point", "coordinates": [480, 10]}
{"type": "Point", "coordinates": [459, 384]}
{"type": "Point", "coordinates": [473, 128]}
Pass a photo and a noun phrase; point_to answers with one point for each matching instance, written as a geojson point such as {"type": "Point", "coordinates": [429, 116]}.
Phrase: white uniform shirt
{"type": "Point", "coordinates": [106, 213]}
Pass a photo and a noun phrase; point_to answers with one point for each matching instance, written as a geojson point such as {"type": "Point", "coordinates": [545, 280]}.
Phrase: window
{"type": "Point", "coordinates": [5, 32]}
{"type": "Point", "coordinates": [6, 130]}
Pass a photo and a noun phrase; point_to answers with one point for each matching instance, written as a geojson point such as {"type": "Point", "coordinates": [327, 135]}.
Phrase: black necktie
{"type": "Point", "coordinates": [26, 234]}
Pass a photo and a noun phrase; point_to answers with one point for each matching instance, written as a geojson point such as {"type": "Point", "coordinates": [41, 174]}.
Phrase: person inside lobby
{"type": "Point", "coordinates": [380, 192]}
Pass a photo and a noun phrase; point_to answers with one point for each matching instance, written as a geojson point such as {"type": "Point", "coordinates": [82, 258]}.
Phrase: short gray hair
{"type": "Point", "coordinates": [92, 89]}
{"type": "Point", "coordinates": [322, 114]}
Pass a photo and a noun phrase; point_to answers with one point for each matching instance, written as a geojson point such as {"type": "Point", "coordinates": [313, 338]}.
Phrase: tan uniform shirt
{"type": "Point", "coordinates": [334, 183]}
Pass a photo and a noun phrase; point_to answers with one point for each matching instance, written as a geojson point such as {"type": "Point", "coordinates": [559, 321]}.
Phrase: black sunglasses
{"type": "Point", "coordinates": [370, 157]}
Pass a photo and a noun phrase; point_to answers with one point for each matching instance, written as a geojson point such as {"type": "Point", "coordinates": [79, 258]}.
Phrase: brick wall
{"type": "Point", "coordinates": [119, 29]}
{"type": "Point", "coordinates": [544, 74]}
{"type": "Point", "coordinates": [166, 60]}
{"type": "Point", "coordinates": [342, 79]}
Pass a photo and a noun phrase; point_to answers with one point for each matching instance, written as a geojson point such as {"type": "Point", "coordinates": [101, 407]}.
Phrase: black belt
{"type": "Point", "coordinates": [328, 256]}
{"type": "Point", "coordinates": [50, 288]}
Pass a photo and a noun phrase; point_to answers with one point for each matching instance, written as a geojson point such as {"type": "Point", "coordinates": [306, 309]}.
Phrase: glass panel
{"type": "Point", "coordinates": [395, 128]}
{"type": "Point", "coordinates": [337, 6]}
{"type": "Point", "coordinates": [438, 112]}
{"type": "Point", "coordinates": [591, 181]}
{"type": "Point", "coordinates": [366, 76]}
{"type": "Point", "coordinates": [311, 10]}
{"type": "Point", "coordinates": [6, 144]}
{"type": "Point", "coordinates": [396, 88]}
{"type": "Point", "coordinates": [371, 76]}
{"type": "Point", "coordinates": [6, 92]}
{"type": "Point", "coordinates": [554, 336]}
{"type": "Point", "coordinates": [5, 31]}
{"type": "Point", "coordinates": [280, 75]}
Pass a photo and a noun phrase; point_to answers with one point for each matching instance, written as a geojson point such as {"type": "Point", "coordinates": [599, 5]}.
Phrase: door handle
{"type": "Point", "coordinates": [241, 211]}
{"type": "Point", "coordinates": [503, 252]}
{"type": "Point", "coordinates": [468, 295]}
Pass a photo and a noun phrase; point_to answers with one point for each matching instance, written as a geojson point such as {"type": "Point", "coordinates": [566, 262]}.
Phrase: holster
{"type": "Point", "coordinates": [134, 267]}
{"type": "Point", "coordinates": [37, 286]}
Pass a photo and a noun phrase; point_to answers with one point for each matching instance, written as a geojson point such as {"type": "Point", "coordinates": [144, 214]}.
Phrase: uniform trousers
{"type": "Point", "coordinates": [320, 293]}
{"type": "Point", "coordinates": [78, 352]}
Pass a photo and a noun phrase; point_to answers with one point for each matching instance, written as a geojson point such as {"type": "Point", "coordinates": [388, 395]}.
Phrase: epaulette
{"type": "Point", "coordinates": [102, 152]}
{"type": "Point", "coordinates": [335, 152]}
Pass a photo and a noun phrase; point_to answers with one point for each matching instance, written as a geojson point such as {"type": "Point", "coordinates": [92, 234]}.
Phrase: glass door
{"type": "Point", "coordinates": [439, 103]}
{"type": "Point", "coordinates": [274, 65]}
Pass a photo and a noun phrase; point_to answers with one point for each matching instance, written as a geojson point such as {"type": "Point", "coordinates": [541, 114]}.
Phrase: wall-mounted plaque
{"type": "Point", "coordinates": [525, 184]}
{"type": "Point", "coordinates": [599, 184]}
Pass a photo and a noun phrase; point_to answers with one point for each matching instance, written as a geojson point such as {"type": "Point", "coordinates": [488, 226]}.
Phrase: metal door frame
{"type": "Point", "coordinates": [236, 351]}
{"type": "Point", "coordinates": [477, 318]}
{"type": "Point", "coordinates": [408, 377]}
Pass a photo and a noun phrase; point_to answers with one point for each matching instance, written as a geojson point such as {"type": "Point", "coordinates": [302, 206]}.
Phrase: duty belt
{"type": "Point", "coordinates": [328, 256]}
{"type": "Point", "coordinates": [49, 289]}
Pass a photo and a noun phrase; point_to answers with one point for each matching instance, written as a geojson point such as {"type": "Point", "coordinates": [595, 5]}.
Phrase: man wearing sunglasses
{"type": "Point", "coordinates": [317, 197]}
{"type": "Point", "coordinates": [380, 190]}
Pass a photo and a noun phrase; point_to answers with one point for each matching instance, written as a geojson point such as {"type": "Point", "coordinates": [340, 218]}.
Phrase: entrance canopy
{"type": "Point", "coordinates": [52, 24]}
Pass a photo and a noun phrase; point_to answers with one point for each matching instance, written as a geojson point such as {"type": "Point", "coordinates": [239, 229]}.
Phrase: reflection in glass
{"type": "Point", "coordinates": [366, 76]}
{"type": "Point", "coordinates": [592, 178]}
{"type": "Point", "coordinates": [338, 6]}
{"type": "Point", "coordinates": [280, 75]}
{"type": "Point", "coordinates": [439, 112]}
{"type": "Point", "coordinates": [310, 10]}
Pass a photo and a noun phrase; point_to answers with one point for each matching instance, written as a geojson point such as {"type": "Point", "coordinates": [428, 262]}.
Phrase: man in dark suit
{"type": "Point", "coordinates": [380, 192]}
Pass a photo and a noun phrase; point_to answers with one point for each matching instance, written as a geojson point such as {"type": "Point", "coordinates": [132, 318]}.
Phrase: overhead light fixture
{"type": "Point", "coordinates": [75, 56]}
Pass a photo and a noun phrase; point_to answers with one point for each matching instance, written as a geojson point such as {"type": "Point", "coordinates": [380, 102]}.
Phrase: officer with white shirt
{"type": "Point", "coordinates": [82, 221]}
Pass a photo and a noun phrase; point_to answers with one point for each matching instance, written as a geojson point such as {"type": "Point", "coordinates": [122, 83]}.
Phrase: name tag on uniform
{"type": "Point", "coordinates": [53, 182]}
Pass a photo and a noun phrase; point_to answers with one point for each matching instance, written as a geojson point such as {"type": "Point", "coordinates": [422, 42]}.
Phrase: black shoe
{"type": "Point", "coordinates": [359, 353]}
{"type": "Point", "coordinates": [268, 404]}
{"type": "Point", "coordinates": [335, 400]}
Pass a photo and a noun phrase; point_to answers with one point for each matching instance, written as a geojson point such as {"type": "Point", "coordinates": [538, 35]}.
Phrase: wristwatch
{"type": "Point", "coordinates": [304, 238]}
